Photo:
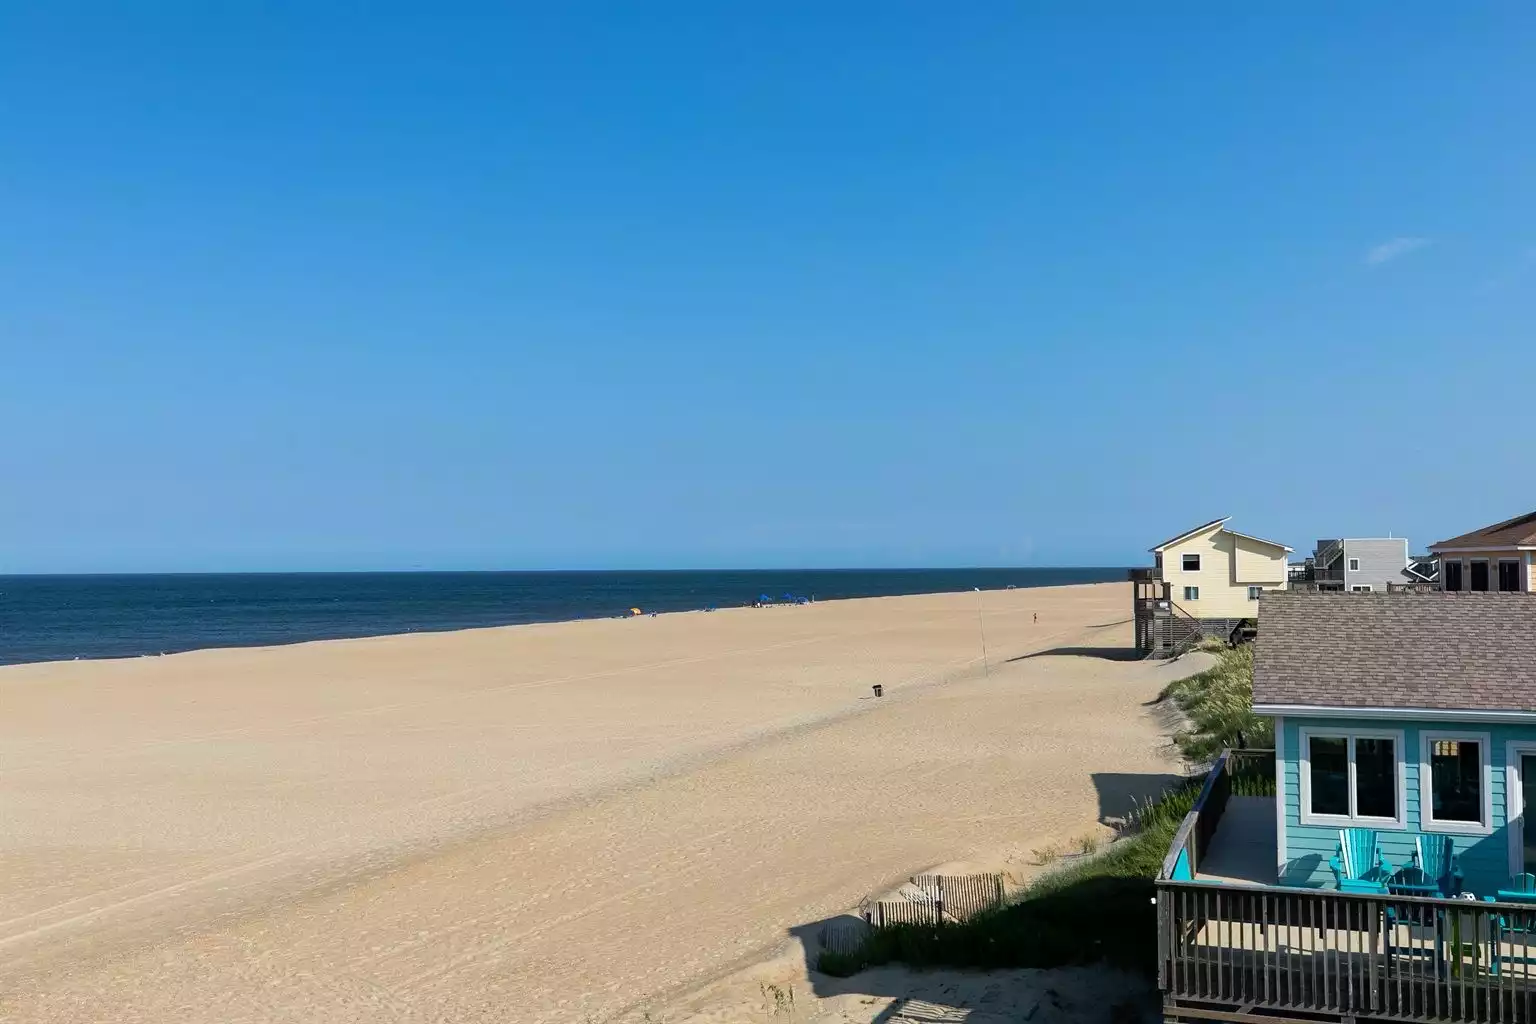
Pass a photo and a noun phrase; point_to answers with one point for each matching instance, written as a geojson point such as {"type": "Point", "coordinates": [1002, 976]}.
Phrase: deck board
{"type": "Point", "coordinates": [1244, 850]}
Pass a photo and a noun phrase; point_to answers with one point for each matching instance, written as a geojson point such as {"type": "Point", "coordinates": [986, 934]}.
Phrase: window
{"type": "Point", "coordinates": [1254, 592]}
{"type": "Point", "coordinates": [1480, 574]}
{"type": "Point", "coordinates": [1354, 565]}
{"type": "Point", "coordinates": [1454, 794]}
{"type": "Point", "coordinates": [1509, 575]}
{"type": "Point", "coordinates": [1190, 563]}
{"type": "Point", "coordinates": [1451, 571]}
{"type": "Point", "coordinates": [1361, 588]}
{"type": "Point", "coordinates": [1351, 776]}
{"type": "Point", "coordinates": [1191, 593]}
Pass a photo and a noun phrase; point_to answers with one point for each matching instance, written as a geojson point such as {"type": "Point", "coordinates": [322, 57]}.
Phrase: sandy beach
{"type": "Point", "coordinates": [564, 822]}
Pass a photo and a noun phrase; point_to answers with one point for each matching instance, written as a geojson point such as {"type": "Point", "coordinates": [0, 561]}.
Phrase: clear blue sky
{"type": "Point", "coordinates": [346, 286]}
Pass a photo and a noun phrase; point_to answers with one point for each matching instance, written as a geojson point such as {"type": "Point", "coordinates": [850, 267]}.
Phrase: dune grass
{"type": "Point", "coordinates": [1219, 705]}
{"type": "Point", "coordinates": [1096, 908]}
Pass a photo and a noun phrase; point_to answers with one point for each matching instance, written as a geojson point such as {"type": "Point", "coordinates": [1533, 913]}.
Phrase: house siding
{"type": "Point", "coordinates": [1381, 562]}
{"type": "Point", "coordinates": [1527, 560]}
{"type": "Point", "coordinates": [1222, 596]}
{"type": "Point", "coordinates": [1485, 860]}
{"type": "Point", "coordinates": [1257, 563]}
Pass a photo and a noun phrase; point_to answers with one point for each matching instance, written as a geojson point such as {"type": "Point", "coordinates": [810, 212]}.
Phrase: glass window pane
{"type": "Point", "coordinates": [1456, 780]}
{"type": "Point", "coordinates": [1375, 778]}
{"type": "Point", "coordinates": [1330, 774]}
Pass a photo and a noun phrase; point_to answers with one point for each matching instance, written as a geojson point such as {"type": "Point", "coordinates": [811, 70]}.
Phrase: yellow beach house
{"type": "Point", "coordinates": [1204, 582]}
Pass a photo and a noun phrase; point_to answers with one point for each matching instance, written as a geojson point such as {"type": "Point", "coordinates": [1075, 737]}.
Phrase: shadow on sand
{"type": "Point", "coordinates": [1121, 792]}
{"type": "Point", "coordinates": [1105, 653]}
{"type": "Point", "coordinates": [952, 987]}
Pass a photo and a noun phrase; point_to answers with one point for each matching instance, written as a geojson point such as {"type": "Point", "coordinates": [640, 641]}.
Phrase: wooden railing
{"type": "Point", "coordinates": [1198, 829]}
{"type": "Point", "coordinates": [1251, 953]}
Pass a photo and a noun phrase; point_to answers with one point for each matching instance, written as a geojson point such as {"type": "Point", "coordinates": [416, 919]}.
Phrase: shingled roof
{"type": "Point", "coordinates": [1448, 651]}
{"type": "Point", "coordinates": [1517, 532]}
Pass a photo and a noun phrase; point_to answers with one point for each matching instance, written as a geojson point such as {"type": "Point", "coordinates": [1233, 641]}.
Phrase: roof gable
{"type": "Point", "coordinates": [1446, 651]}
{"type": "Point", "coordinates": [1260, 540]}
{"type": "Point", "coordinates": [1190, 533]}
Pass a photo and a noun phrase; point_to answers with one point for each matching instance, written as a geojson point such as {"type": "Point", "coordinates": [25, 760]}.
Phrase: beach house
{"type": "Point", "coordinates": [1355, 565]}
{"type": "Point", "coordinates": [1391, 865]}
{"type": "Point", "coordinates": [1499, 557]}
{"type": "Point", "coordinates": [1203, 582]}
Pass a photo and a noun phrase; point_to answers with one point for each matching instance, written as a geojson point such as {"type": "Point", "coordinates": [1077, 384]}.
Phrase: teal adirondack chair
{"type": "Point", "coordinates": [1434, 861]}
{"type": "Point", "coordinates": [1522, 889]}
{"type": "Point", "coordinates": [1359, 865]}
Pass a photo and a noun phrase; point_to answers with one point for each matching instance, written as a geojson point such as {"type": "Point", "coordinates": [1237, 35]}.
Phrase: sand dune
{"type": "Point", "coordinates": [565, 822]}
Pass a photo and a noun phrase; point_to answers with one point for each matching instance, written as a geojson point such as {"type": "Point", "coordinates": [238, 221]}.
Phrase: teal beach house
{"type": "Point", "coordinates": [1391, 875]}
{"type": "Point", "coordinates": [1406, 714]}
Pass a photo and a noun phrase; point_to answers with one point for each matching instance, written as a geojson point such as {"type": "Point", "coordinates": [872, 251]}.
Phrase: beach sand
{"type": "Point", "coordinates": [562, 822]}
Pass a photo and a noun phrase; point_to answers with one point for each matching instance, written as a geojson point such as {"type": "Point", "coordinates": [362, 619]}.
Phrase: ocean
{"type": "Point", "coordinates": [57, 618]}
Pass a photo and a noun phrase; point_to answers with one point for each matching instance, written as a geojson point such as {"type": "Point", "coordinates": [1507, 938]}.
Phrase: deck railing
{"type": "Point", "coordinates": [1238, 952]}
{"type": "Point", "coordinates": [1193, 840]}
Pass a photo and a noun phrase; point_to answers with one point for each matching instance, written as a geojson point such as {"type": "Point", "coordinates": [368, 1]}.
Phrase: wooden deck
{"type": "Point", "coordinates": [1233, 946]}
{"type": "Point", "coordinates": [1243, 850]}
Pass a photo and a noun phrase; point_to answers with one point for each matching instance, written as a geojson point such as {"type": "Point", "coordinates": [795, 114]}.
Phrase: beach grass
{"type": "Point", "coordinates": [1098, 908]}
{"type": "Point", "coordinates": [1218, 704]}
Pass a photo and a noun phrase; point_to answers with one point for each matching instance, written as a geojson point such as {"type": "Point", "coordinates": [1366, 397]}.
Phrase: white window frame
{"type": "Point", "coordinates": [1304, 770]}
{"type": "Point", "coordinates": [1354, 565]}
{"type": "Point", "coordinates": [1186, 557]}
{"type": "Point", "coordinates": [1514, 802]}
{"type": "Point", "coordinates": [1429, 823]}
{"type": "Point", "coordinates": [1254, 592]}
{"type": "Point", "coordinates": [1361, 588]}
{"type": "Point", "coordinates": [1186, 593]}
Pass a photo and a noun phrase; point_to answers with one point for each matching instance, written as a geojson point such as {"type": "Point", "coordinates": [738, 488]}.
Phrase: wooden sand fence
{"type": "Point", "coordinates": [936, 899]}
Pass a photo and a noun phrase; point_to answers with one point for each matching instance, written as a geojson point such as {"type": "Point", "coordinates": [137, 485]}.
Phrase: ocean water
{"type": "Point", "coordinates": [56, 618]}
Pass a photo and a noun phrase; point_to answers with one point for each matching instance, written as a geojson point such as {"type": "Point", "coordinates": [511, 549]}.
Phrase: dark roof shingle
{"type": "Point", "coordinates": [1474, 651]}
{"type": "Point", "coordinates": [1516, 531]}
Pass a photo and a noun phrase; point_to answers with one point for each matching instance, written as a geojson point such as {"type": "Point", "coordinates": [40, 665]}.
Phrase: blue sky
{"type": "Point", "coordinates": [347, 286]}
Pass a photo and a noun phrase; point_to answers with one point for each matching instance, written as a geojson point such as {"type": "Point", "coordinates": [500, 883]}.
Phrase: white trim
{"type": "Point", "coordinates": [1395, 714]}
{"type": "Point", "coordinates": [1361, 588]}
{"type": "Point", "coordinates": [1280, 839]}
{"type": "Point", "coordinates": [1352, 819]}
{"type": "Point", "coordinates": [1514, 802]}
{"type": "Point", "coordinates": [1196, 596]}
{"type": "Point", "coordinates": [1254, 591]}
{"type": "Point", "coordinates": [1486, 547]}
{"type": "Point", "coordinates": [1353, 565]}
{"type": "Point", "coordinates": [1427, 821]}
{"type": "Point", "coordinates": [1184, 558]}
